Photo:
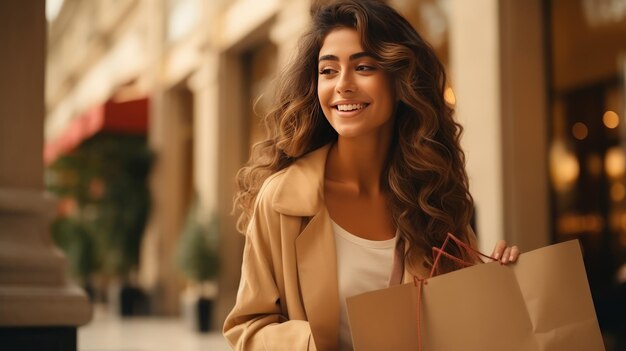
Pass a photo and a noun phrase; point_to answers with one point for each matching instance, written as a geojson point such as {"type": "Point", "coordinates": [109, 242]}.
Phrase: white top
{"type": "Point", "coordinates": [362, 265]}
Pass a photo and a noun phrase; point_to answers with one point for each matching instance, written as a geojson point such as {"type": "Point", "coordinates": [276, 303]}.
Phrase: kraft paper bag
{"type": "Point", "coordinates": [540, 303]}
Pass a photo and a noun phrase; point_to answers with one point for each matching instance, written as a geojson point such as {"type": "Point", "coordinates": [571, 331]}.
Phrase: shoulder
{"type": "Point", "coordinates": [264, 215]}
{"type": "Point", "coordinates": [270, 187]}
{"type": "Point", "coordinates": [296, 190]}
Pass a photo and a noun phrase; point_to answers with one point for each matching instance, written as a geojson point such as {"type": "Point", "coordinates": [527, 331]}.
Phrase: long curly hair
{"type": "Point", "coordinates": [425, 178]}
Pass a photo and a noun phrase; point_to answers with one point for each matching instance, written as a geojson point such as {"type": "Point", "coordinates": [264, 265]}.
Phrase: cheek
{"type": "Point", "coordinates": [386, 92]}
{"type": "Point", "coordinates": [324, 94]}
{"type": "Point", "coordinates": [323, 89]}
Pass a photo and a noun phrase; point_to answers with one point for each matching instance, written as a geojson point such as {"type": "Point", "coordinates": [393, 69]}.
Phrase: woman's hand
{"type": "Point", "coordinates": [505, 254]}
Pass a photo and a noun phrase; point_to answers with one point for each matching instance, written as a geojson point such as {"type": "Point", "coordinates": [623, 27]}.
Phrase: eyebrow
{"type": "Point", "coordinates": [352, 57]}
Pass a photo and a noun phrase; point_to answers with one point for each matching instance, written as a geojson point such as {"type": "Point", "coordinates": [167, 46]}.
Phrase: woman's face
{"type": "Point", "coordinates": [356, 95]}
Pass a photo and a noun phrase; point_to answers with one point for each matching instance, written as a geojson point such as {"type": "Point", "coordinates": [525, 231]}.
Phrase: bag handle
{"type": "Point", "coordinates": [441, 252]}
{"type": "Point", "coordinates": [437, 253]}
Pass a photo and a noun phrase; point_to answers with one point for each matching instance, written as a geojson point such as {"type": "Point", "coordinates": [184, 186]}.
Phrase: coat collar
{"type": "Point", "coordinates": [301, 192]}
{"type": "Point", "coordinates": [317, 274]}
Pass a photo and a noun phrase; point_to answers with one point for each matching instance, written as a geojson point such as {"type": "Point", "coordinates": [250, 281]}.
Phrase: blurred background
{"type": "Point", "coordinates": [146, 109]}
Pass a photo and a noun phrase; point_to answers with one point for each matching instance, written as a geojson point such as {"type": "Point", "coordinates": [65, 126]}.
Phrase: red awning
{"type": "Point", "coordinates": [128, 117]}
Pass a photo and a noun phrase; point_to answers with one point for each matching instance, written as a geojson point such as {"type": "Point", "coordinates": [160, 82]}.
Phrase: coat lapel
{"type": "Point", "coordinates": [301, 194]}
{"type": "Point", "coordinates": [317, 274]}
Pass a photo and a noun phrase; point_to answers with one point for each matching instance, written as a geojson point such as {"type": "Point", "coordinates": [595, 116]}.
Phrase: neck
{"type": "Point", "coordinates": [359, 162]}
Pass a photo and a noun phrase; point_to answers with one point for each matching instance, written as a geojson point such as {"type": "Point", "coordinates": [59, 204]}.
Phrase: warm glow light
{"type": "Point", "coordinates": [449, 96]}
{"type": "Point", "coordinates": [618, 192]}
{"type": "Point", "coordinates": [580, 131]}
{"type": "Point", "coordinates": [610, 119]}
{"type": "Point", "coordinates": [564, 166]}
{"type": "Point", "coordinates": [615, 162]}
{"type": "Point", "coordinates": [574, 224]}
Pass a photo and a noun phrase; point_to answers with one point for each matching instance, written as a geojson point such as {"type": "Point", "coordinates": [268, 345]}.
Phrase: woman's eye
{"type": "Point", "coordinates": [365, 68]}
{"type": "Point", "coordinates": [324, 71]}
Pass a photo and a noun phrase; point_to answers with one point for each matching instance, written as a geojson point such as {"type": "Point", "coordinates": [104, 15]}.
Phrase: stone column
{"type": "Point", "coordinates": [474, 62]}
{"type": "Point", "coordinates": [496, 60]}
{"type": "Point", "coordinates": [205, 86]}
{"type": "Point", "coordinates": [231, 154]}
{"type": "Point", "coordinates": [39, 308]}
{"type": "Point", "coordinates": [525, 121]}
{"type": "Point", "coordinates": [169, 135]}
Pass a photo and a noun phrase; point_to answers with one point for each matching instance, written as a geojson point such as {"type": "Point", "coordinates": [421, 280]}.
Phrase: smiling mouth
{"type": "Point", "coordinates": [351, 107]}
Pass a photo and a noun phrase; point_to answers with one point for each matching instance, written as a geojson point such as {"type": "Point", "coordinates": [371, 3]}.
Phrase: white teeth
{"type": "Point", "coordinates": [350, 107]}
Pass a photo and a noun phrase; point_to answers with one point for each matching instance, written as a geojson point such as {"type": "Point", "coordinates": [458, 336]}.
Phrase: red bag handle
{"type": "Point", "coordinates": [437, 253]}
{"type": "Point", "coordinates": [440, 252]}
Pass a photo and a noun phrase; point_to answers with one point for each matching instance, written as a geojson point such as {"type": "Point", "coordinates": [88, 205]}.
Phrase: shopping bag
{"type": "Point", "coordinates": [540, 303]}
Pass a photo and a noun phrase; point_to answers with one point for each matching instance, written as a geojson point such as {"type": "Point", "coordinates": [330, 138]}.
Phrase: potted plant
{"type": "Point", "coordinates": [197, 257]}
{"type": "Point", "coordinates": [77, 241]}
{"type": "Point", "coordinates": [106, 179]}
{"type": "Point", "coordinates": [123, 211]}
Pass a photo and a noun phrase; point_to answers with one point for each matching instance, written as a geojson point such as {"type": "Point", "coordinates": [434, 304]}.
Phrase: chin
{"type": "Point", "coordinates": [349, 132]}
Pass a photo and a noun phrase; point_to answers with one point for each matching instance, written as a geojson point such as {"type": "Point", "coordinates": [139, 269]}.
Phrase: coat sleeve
{"type": "Point", "coordinates": [256, 321]}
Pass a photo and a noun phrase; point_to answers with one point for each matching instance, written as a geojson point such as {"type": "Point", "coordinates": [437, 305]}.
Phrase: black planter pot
{"type": "Point", "coordinates": [90, 291]}
{"type": "Point", "coordinates": [204, 311]}
{"type": "Point", "coordinates": [133, 301]}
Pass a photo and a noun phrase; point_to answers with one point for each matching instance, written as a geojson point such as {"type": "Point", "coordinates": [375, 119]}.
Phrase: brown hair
{"type": "Point", "coordinates": [425, 175]}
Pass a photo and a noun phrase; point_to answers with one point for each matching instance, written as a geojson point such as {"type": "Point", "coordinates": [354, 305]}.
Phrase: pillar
{"type": "Point", "coordinates": [497, 66]}
{"type": "Point", "coordinates": [39, 308]}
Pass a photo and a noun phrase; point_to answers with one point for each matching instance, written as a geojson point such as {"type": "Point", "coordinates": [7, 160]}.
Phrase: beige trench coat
{"type": "Point", "coordinates": [287, 298]}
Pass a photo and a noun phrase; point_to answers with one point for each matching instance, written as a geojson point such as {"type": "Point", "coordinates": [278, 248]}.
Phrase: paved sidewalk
{"type": "Point", "coordinates": [111, 333]}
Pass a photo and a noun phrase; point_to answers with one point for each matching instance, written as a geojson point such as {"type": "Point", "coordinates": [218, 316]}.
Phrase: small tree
{"type": "Point", "coordinates": [106, 179]}
{"type": "Point", "coordinates": [197, 256]}
{"type": "Point", "coordinates": [197, 252]}
{"type": "Point", "coordinates": [78, 243]}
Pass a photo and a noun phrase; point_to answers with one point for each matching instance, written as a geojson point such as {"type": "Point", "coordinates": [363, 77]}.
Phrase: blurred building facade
{"type": "Point", "coordinates": [206, 69]}
{"type": "Point", "coordinates": [199, 64]}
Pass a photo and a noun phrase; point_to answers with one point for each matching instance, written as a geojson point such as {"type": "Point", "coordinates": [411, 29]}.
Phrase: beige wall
{"type": "Point", "coordinates": [474, 64]}
{"type": "Point", "coordinates": [524, 115]}
{"type": "Point", "coordinates": [496, 52]}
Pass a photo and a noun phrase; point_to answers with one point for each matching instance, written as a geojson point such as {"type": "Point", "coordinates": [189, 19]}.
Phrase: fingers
{"type": "Point", "coordinates": [504, 253]}
{"type": "Point", "coordinates": [514, 254]}
{"type": "Point", "coordinates": [506, 256]}
{"type": "Point", "coordinates": [499, 249]}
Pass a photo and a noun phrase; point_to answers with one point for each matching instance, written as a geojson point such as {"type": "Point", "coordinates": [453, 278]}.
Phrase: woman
{"type": "Point", "coordinates": [362, 173]}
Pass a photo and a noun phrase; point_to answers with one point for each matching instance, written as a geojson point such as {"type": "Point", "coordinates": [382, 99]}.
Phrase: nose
{"type": "Point", "coordinates": [345, 84]}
